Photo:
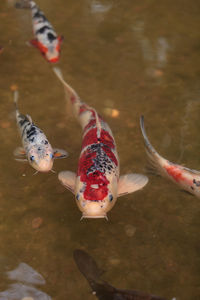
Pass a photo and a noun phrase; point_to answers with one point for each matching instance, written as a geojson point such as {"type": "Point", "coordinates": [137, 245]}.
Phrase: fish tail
{"type": "Point", "coordinates": [69, 90]}
{"type": "Point", "coordinates": [155, 160]}
{"type": "Point", "coordinates": [73, 98]}
{"type": "Point", "coordinates": [87, 266]}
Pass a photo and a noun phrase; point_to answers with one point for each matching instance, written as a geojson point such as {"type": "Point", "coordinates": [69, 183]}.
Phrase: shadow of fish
{"type": "Point", "coordinates": [103, 290]}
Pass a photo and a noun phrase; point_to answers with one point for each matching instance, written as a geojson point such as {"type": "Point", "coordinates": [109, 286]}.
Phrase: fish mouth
{"type": "Point", "coordinates": [94, 217]}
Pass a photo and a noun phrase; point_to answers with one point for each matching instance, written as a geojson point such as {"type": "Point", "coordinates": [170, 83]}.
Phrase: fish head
{"type": "Point", "coordinates": [41, 159]}
{"type": "Point", "coordinates": [96, 196]}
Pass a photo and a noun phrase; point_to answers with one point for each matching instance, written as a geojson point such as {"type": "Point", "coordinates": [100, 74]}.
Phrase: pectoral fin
{"type": "Point", "coordinates": [20, 152]}
{"type": "Point", "coordinates": [59, 153]}
{"type": "Point", "coordinates": [21, 159]}
{"type": "Point", "coordinates": [68, 179]}
{"type": "Point", "coordinates": [130, 183]}
{"type": "Point", "coordinates": [29, 118]}
{"type": "Point", "coordinates": [61, 38]}
{"type": "Point", "coordinates": [33, 43]}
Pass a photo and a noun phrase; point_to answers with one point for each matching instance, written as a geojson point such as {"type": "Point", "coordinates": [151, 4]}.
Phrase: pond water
{"type": "Point", "coordinates": [125, 58]}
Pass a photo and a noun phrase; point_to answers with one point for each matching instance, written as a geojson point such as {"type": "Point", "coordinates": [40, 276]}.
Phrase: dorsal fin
{"type": "Point", "coordinates": [98, 123]}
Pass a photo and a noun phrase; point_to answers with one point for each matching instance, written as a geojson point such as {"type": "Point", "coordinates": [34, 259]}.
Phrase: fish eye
{"type": "Point", "coordinates": [51, 155]}
{"type": "Point", "coordinates": [77, 197]}
{"type": "Point", "coordinates": [110, 197]}
{"type": "Point", "coordinates": [32, 157]}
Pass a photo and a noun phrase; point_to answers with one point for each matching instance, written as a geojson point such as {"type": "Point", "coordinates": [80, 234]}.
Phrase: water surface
{"type": "Point", "coordinates": [138, 57]}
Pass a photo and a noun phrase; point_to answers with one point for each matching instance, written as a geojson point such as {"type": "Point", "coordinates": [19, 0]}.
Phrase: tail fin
{"type": "Point", "coordinates": [69, 90]}
{"type": "Point", "coordinates": [87, 266]}
{"type": "Point", "coordinates": [155, 160]}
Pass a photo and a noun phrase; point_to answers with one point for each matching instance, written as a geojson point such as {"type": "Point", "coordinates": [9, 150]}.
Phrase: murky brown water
{"type": "Point", "coordinates": [139, 57]}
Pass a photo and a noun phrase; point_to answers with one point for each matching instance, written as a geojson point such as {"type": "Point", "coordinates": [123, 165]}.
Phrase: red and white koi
{"type": "Point", "coordinates": [46, 39]}
{"type": "Point", "coordinates": [36, 147]}
{"type": "Point", "coordinates": [97, 183]}
{"type": "Point", "coordinates": [187, 179]}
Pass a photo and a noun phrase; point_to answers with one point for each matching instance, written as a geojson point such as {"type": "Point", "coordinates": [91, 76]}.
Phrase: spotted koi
{"type": "Point", "coordinates": [46, 39]}
{"type": "Point", "coordinates": [36, 147]}
{"type": "Point", "coordinates": [97, 183]}
{"type": "Point", "coordinates": [187, 179]}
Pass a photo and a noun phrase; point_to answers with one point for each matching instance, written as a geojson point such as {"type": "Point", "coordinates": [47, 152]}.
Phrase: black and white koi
{"type": "Point", "coordinates": [46, 39]}
{"type": "Point", "coordinates": [97, 183]}
{"type": "Point", "coordinates": [36, 147]}
{"type": "Point", "coordinates": [187, 179]}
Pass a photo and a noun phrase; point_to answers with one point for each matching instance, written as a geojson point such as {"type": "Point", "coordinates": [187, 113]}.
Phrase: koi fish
{"type": "Point", "coordinates": [187, 179]}
{"type": "Point", "coordinates": [97, 183]}
{"type": "Point", "coordinates": [103, 290]}
{"type": "Point", "coordinates": [36, 147]}
{"type": "Point", "coordinates": [46, 39]}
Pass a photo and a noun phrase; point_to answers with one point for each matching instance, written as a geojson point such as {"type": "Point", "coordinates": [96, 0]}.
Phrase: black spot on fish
{"type": "Point", "coordinates": [110, 198]}
{"type": "Point", "coordinates": [196, 182]}
{"type": "Point", "coordinates": [31, 132]}
{"type": "Point", "coordinates": [51, 36]}
{"type": "Point", "coordinates": [22, 122]}
{"type": "Point", "coordinates": [32, 140]}
{"type": "Point", "coordinates": [25, 128]}
{"type": "Point", "coordinates": [101, 162]}
{"type": "Point", "coordinates": [46, 142]}
{"type": "Point", "coordinates": [42, 29]}
{"type": "Point", "coordinates": [39, 15]}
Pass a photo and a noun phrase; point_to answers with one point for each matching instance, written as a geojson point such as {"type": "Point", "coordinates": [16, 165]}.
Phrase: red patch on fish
{"type": "Point", "coordinates": [90, 138]}
{"type": "Point", "coordinates": [83, 108]}
{"type": "Point", "coordinates": [90, 124]}
{"type": "Point", "coordinates": [175, 172]}
{"type": "Point", "coordinates": [60, 39]}
{"type": "Point", "coordinates": [43, 49]}
{"type": "Point", "coordinates": [107, 139]}
{"type": "Point", "coordinates": [54, 60]}
{"type": "Point", "coordinates": [73, 99]}
{"type": "Point", "coordinates": [85, 161]}
{"type": "Point", "coordinates": [96, 178]}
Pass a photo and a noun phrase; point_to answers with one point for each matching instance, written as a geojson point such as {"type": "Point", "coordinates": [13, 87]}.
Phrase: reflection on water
{"type": "Point", "coordinates": [25, 273]}
{"type": "Point", "coordinates": [98, 7]}
{"type": "Point", "coordinates": [126, 58]}
{"type": "Point", "coordinates": [24, 289]}
{"type": "Point", "coordinates": [154, 53]}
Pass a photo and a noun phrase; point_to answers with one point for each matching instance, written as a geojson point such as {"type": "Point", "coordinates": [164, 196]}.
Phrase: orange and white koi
{"type": "Point", "coordinates": [97, 183]}
{"type": "Point", "coordinates": [46, 39]}
{"type": "Point", "coordinates": [187, 179]}
{"type": "Point", "coordinates": [36, 147]}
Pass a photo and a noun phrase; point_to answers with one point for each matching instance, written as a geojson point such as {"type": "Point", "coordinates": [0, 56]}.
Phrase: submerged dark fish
{"type": "Point", "coordinates": [103, 290]}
